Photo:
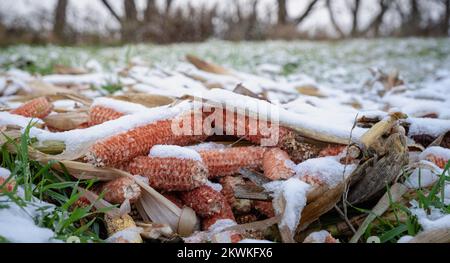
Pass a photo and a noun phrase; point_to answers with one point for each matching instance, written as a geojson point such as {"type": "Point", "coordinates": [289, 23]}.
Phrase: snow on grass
{"type": "Point", "coordinates": [174, 151]}
{"type": "Point", "coordinates": [18, 223]}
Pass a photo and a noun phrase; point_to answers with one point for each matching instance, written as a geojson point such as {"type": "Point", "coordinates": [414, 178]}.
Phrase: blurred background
{"type": "Point", "coordinates": [77, 22]}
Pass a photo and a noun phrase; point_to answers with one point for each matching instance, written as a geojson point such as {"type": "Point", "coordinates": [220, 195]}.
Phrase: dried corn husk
{"type": "Point", "coordinates": [66, 121]}
{"type": "Point", "coordinates": [148, 100]}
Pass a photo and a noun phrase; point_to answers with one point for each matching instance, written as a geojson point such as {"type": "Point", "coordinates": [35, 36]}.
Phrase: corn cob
{"type": "Point", "coordinates": [120, 189]}
{"type": "Point", "coordinates": [277, 165]}
{"type": "Point", "coordinates": [170, 174]}
{"type": "Point", "coordinates": [441, 162]}
{"type": "Point", "coordinates": [332, 150]}
{"type": "Point", "coordinates": [228, 185]}
{"type": "Point", "coordinates": [225, 213]}
{"type": "Point", "coordinates": [287, 139]}
{"type": "Point", "coordinates": [99, 114]}
{"type": "Point", "coordinates": [123, 147]}
{"type": "Point", "coordinates": [246, 218]}
{"type": "Point", "coordinates": [8, 186]}
{"type": "Point", "coordinates": [122, 229]}
{"type": "Point", "coordinates": [35, 108]}
{"type": "Point", "coordinates": [265, 208]}
{"type": "Point", "coordinates": [228, 161]}
{"type": "Point", "coordinates": [204, 200]}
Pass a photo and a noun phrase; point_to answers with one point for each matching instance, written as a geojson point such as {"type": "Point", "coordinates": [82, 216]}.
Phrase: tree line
{"type": "Point", "coordinates": [170, 23]}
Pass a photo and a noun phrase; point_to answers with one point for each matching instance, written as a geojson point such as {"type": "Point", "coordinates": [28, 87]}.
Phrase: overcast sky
{"type": "Point", "coordinates": [80, 10]}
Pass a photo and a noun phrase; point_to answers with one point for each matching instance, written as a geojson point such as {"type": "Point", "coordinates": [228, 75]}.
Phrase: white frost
{"type": "Point", "coordinates": [289, 200]}
{"type": "Point", "coordinates": [326, 169]}
{"type": "Point", "coordinates": [174, 151]}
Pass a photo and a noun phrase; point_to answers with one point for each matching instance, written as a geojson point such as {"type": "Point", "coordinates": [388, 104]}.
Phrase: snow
{"type": "Point", "coordinates": [131, 234]}
{"type": "Point", "coordinates": [4, 173]}
{"type": "Point", "coordinates": [97, 79]}
{"type": "Point", "coordinates": [215, 186]}
{"type": "Point", "coordinates": [317, 237]}
{"type": "Point", "coordinates": [326, 169]}
{"type": "Point", "coordinates": [431, 220]}
{"type": "Point", "coordinates": [432, 127]}
{"type": "Point", "coordinates": [174, 151]}
{"type": "Point", "coordinates": [423, 177]}
{"type": "Point", "coordinates": [405, 239]}
{"type": "Point", "coordinates": [254, 241]}
{"type": "Point", "coordinates": [207, 146]}
{"type": "Point", "coordinates": [264, 109]}
{"type": "Point", "coordinates": [119, 105]}
{"type": "Point", "coordinates": [18, 223]}
{"type": "Point", "coordinates": [13, 119]}
{"type": "Point", "coordinates": [435, 151]}
{"type": "Point", "coordinates": [289, 199]}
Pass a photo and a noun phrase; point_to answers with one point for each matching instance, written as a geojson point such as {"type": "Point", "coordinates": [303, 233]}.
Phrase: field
{"type": "Point", "coordinates": [329, 92]}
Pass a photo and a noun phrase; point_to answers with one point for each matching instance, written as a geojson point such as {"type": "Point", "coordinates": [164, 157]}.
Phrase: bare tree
{"type": "Point", "coordinates": [355, 12]}
{"type": "Point", "coordinates": [333, 19]}
{"type": "Point", "coordinates": [129, 22]}
{"type": "Point", "coordinates": [282, 12]}
{"type": "Point", "coordinates": [446, 18]}
{"type": "Point", "coordinates": [168, 5]}
{"type": "Point", "coordinates": [150, 10]}
{"type": "Point", "coordinates": [376, 23]}
{"type": "Point", "coordinates": [59, 23]}
{"type": "Point", "coordinates": [307, 12]}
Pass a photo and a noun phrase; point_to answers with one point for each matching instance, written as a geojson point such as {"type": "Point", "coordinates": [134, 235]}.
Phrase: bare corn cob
{"type": "Point", "coordinates": [333, 150]}
{"type": "Point", "coordinates": [440, 161]}
{"type": "Point", "coordinates": [229, 161]}
{"type": "Point", "coordinates": [35, 108]}
{"type": "Point", "coordinates": [228, 185]}
{"type": "Point", "coordinates": [246, 218]}
{"type": "Point", "coordinates": [170, 174]}
{"type": "Point", "coordinates": [9, 186]}
{"type": "Point", "coordinates": [120, 189]}
{"type": "Point", "coordinates": [286, 139]}
{"type": "Point", "coordinates": [123, 147]}
{"type": "Point", "coordinates": [204, 200]}
{"type": "Point", "coordinates": [277, 165]}
{"type": "Point", "coordinates": [225, 213]}
{"type": "Point", "coordinates": [100, 114]}
{"type": "Point", "coordinates": [265, 208]}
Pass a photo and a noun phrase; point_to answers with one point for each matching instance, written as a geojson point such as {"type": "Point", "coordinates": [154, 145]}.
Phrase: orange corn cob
{"type": "Point", "coordinates": [99, 114]}
{"type": "Point", "coordinates": [8, 186]}
{"type": "Point", "coordinates": [332, 150]}
{"type": "Point", "coordinates": [225, 213]}
{"type": "Point", "coordinates": [265, 208]}
{"type": "Point", "coordinates": [277, 165]}
{"type": "Point", "coordinates": [246, 218]}
{"type": "Point", "coordinates": [287, 139]}
{"type": "Point", "coordinates": [170, 174]}
{"type": "Point", "coordinates": [204, 200]}
{"type": "Point", "coordinates": [228, 185]}
{"type": "Point", "coordinates": [125, 146]}
{"type": "Point", "coordinates": [35, 108]}
{"type": "Point", "coordinates": [228, 161]}
{"type": "Point", "coordinates": [120, 189]}
{"type": "Point", "coordinates": [441, 162]}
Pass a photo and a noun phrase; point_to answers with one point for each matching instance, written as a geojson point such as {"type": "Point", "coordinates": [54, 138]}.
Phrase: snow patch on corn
{"type": "Point", "coordinates": [174, 151]}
